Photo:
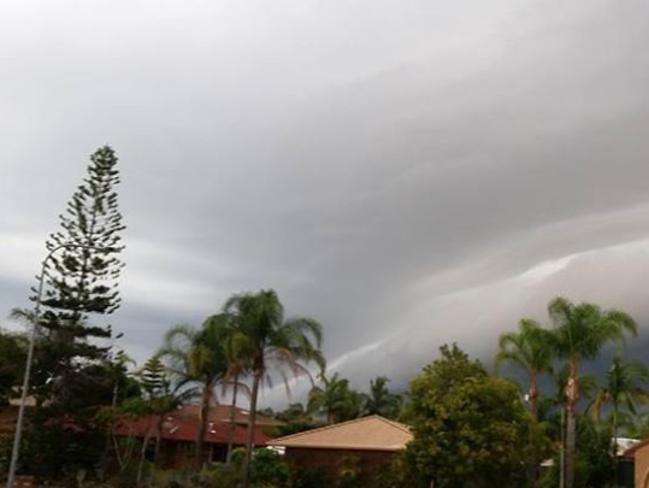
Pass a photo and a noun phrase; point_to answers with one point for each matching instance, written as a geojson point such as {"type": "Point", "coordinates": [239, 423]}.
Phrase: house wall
{"type": "Point", "coordinates": [8, 416]}
{"type": "Point", "coordinates": [331, 459]}
{"type": "Point", "coordinates": [642, 467]}
{"type": "Point", "coordinates": [182, 454]}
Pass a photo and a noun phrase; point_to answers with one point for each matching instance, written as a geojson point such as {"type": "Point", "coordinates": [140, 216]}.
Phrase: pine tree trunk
{"type": "Point", "coordinates": [205, 410]}
{"type": "Point", "coordinates": [232, 425]}
{"type": "Point", "coordinates": [571, 425]}
{"type": "Point", "coordinates": [251, 428]}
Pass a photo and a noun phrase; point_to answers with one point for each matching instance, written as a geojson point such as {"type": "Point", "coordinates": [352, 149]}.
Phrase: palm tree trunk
{"type": "Point", "coordinates": [205, 410]}
{"type": "Point", "coordinates": [232, 425]}
{"type": "Point", "coordinates": [615, 460]}
{"type": "Point", "coordinates": [251, 428]}
{"type": "Point", "coordinates": [533, 393]}
{"type": "Point", "coordinates": [572, 395]}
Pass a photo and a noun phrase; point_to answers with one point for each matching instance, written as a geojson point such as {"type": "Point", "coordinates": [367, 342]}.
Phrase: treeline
{"type": "Point", "coordinates": [471, 427]}
{"type": "Point", "coordinates": [561, 428]}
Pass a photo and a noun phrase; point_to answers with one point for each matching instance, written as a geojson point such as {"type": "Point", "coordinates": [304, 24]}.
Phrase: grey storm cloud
{"type": "Point", "coordinates": [410, 173]}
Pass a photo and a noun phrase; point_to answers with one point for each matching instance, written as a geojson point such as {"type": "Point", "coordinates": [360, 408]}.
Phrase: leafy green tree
{"type": "Point", "coordinates": [380, 401]}
{"type": "Point", "coordinates": [470, 429]}
{"type": "Point", "coordinates": [273, 343]}
{"type": "Point", "coordinates": [336, 401]}
{"type": "Point", "coordinates": [580, 332]}
{"type": "Point", "coordinates": [81, 279]}
{"type": "Point", "coordinates": [269, 469]}
{"type": "Point", "coordinates": [195, 357]}
{"type": "Point", "coordinates": [529, 349]}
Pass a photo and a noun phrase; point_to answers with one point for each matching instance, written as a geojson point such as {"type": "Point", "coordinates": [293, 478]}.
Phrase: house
{"type": "Point", "coordinates": [638, 456]}
{"type": "Point", "coordinates": [372, 441]}
{"type": "Point", "coordinates": [9, 416]}
{"type": "Point", "coordinates": [180, 429]}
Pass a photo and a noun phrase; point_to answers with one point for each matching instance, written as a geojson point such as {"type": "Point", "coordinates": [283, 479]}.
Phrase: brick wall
{"type": "Point", "coordinates": [642, 467]}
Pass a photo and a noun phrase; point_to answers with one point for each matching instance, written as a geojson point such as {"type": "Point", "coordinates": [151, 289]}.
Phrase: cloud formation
{"type": "Point", "coordinates": [410, 173]}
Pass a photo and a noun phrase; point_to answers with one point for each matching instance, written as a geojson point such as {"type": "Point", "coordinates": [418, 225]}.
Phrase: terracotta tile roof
{"type": "Point", "coordinates": [221, 413]}
{"type": "Point", "coordinates": [183, 425]}
{"type": "Point", "coordinates": [372, 433]}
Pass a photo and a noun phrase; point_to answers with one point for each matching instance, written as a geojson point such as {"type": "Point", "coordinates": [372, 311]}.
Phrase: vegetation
{"type": "Point", "coordinates": [335, 400]}
{"type": "Point", "coordinates": [272, 342]}
{"type": "Point", "coordinates": [470, 428]}
{"type": "Point", "coordinates": [460, 412]}
{"type": "Point", "coordinates": [195, 357]}
{"type": "Point", "coordinates": [580, 332]}
{"type": "Point", "coordinates": [81, 283]}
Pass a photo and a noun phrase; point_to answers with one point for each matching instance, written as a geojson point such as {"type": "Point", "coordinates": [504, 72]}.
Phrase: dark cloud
{"type": "Point", "coordinates": [408, 174]}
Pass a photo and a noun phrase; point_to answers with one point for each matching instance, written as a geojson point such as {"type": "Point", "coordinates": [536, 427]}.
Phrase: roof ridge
{"type": "Point", "coordinates": [396, 424]}
{"type": "Point", "coordinates": [402, 427]}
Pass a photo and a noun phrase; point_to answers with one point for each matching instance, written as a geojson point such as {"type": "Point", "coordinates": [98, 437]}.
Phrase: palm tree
{"type": "Point", "coordinates": [234, 344]}
{"type": "Point", "coordinates": [529, 349]}
{"type": "Point", "coordinates": [336, 400]}
{"type": "Point", "coordinates": [379, 400]}
{"type": "Point", "coordinates": [272, 341]}
{"type": "Point", "coordinates": [625, 381]}
{"type": "Point", "coordinates": [580, 332]}
{"type": "Point", "coordinates": [195, 356]}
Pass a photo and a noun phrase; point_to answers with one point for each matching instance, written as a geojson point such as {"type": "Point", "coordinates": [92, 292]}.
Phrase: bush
{"type": "Point", "coordinates": [310, 477]}
{"type": "Point", "coordinates": [269, 469]}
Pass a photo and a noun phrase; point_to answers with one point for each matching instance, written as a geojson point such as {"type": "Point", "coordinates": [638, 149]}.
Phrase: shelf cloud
{"type": "Point", "coordinates": [409, 173]}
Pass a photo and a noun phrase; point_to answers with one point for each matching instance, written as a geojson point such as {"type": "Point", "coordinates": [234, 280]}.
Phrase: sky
{"type": "Point", "coordinates": [410, 173]}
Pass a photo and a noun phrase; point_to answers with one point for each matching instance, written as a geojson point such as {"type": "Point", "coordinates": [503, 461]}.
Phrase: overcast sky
{"type": "Point", "coordinates": [408, 172]}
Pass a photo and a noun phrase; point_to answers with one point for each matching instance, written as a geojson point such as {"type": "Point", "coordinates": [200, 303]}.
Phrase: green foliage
{"type": "Point", "coordinates": [624, 387]}
{"type": "Point", "coordinates": [396, 474]}
{"type": "Point", "coordinates": [153, 378]}
{"type": "Point", "coordinates": [73, 374]}
{"type": "Point", "coordinates": [581, 330]}
{"type": "Point", "coordinates": [13, 352]}
{"type": "Point", "coordinates": [295, 419]}
{"type": "Point", "coordinates": [269, 469]}
{"type": "Point", "coordinates": [81, 281]}
{"type": "Point", "coordinates": [335, 401]}
{"type": "Point", "coordinates": [470, 429]}
{"type": "Point", "coordinates": [196, 357]}
{"type": "Point", "coordinates": [380, 401]}
{"type": "Point", "coordinates": [595, 466]}
{"type": "Point", "coordinates": [310, 477]}
{"type": "Point", "coordinates": [272, 342]}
